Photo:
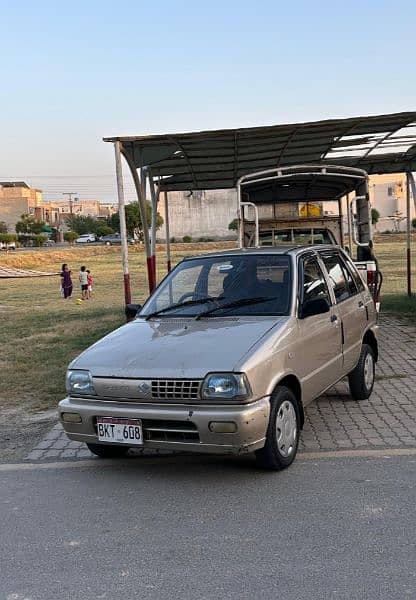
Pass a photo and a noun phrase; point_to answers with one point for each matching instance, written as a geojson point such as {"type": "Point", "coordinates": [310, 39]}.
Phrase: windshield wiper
{"type": "Point", "coordinates": [235, 303]}
{"type": "Point", "coordinates": [178, 305]}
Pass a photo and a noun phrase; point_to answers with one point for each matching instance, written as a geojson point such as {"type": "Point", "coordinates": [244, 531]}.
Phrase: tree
{"type": "Point", "coordinates": [375, 215]}
{"type": "Point", "coordinates": [3, 227]}
{"type": "Point", "coordinates": [70, 236]}
{"type": "Point", "coordinates": [103, 229]}
{"type": "Point", "coordinates": [233, 226]}
{"type": "Point", "coordinates": [134, 220]}
{"type": "Point", "coordinates": [82, 224]}
{"type": "Point", "coordinates": [414, 223]}
{"type": "Point", "coordinates": [7, 238]}
{"type": "Point", "coordinates": [28, 224]}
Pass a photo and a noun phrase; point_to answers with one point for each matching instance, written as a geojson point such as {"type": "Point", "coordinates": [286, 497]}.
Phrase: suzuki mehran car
{"type": "Point", "coordinates": [226, 354]}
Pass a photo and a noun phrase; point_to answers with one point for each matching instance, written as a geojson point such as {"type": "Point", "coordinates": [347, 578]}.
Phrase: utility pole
{"type": "Point", "coordinates": [69, 194]}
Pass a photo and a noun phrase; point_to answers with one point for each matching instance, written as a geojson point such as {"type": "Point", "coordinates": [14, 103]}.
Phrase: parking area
{"type": "Point", "coordinates": [335, 421]}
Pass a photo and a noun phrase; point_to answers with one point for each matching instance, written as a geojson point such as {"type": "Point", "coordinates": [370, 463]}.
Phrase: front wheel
{"type": "Point", "coordinates": [108, 451]}
{"type": "Point", "coordinates": [283, 432]}
{"type": "Point", "coordinates": [361, 379]}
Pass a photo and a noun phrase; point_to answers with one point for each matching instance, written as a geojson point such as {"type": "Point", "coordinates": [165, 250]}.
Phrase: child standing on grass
{"type": "Point", "coordinates": [89, 283]}
{"type": "Point", "coordinates": [83, 279]}
{"type": "Point", "coordinates": [66, 282]}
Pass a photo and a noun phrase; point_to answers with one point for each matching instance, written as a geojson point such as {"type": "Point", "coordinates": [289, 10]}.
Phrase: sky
{"type": "Point", "coordinates": [74, 72]}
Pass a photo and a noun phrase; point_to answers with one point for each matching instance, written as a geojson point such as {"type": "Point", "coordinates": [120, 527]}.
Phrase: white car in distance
{"type": "Point", "coordinates": [86, 238]}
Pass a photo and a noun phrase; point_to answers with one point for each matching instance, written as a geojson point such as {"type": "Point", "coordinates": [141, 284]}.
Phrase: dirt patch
{"type": "Point", "coordinates": [21, 431]}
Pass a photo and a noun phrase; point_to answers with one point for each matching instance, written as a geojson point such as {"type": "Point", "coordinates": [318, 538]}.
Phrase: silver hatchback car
{"type": "Point", "coordinates": [225, 355]}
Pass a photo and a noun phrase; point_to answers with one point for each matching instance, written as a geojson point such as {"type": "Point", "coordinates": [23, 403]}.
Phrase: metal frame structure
{"type": "Point", "coordinates": [208, 160]}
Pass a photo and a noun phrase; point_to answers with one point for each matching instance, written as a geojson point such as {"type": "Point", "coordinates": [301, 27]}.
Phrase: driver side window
{"type": "Point", "coordinates": [313, 281]}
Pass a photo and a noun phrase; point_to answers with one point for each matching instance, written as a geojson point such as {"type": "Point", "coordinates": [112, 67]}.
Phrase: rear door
{"type": "Point", "coordinates": [351, 306]}
{"type": "Point", "coordinates": [319, 345]}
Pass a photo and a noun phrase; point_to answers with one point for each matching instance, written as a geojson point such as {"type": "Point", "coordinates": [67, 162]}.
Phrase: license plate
{"type": "Point", "coordinates": [120, 431]}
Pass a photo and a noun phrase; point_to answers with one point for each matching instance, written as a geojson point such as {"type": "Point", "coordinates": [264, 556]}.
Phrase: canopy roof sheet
{"type": "Point", "coordinates": [216, 159]}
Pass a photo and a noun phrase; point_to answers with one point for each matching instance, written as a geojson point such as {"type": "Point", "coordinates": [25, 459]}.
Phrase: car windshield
{"type": "Point", "coordinates": [295, 236]}
{"type": "Point", "coordinates": [257, 285]}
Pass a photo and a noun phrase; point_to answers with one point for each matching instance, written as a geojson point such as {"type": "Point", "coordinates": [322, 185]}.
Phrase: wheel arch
{"type": "Point", "coordinates": [293, 383]}
{"type": "Point", "coordinates": [370, 339]}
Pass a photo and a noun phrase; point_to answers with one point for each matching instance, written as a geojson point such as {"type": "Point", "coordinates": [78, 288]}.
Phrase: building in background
{"type": "Point", "coordinates": [17, 199]}
{"type": "Point", "coordinates": [388, 196]}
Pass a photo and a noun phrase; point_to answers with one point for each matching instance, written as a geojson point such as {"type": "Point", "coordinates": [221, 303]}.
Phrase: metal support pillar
{"type": "Point", "coordinates": [123, 229]}
{"type": "Point", "coordinates": [155, 198]}
{"type": "Point", "coordinates": [142, 204]}
{"type": "Point", "coordinates": [408, 236]}
{"type": "Point", "coordinates": [167, 232]}
{"type": "Point", "coordinates": [349, 224]}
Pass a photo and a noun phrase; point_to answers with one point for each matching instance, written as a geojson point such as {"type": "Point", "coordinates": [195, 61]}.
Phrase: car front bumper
{"type": "Point", "coordinates": [162, 422]}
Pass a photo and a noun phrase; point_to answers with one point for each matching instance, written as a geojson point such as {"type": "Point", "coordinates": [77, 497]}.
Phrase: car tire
{"type": "Point", "coordinates": [283, 432]}
{"type": "Point", "coordinates": [108, 451]}
{"type": "Point", "coordinates": [361, 379]}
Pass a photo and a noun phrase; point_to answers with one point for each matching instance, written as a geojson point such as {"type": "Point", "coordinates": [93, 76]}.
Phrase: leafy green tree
{"type": "Point", "coordinates": [133, 219]}
{"type": "Point", "coordinates": [103, 229]}
{"type": "Point", "coordinates": [375, 216]}
{"type": "Point", "coordinates": [70, 236]}
{"type": "Point", "coordinates": [233, 226]}
{"type": "Point", "coordinates": [81, 224]}
{"type": "Point", "coordinates": [3, 227]}
{"type": "Point", "coordinates": [7, 238]}
{"type": "Point", "coordinates": [28, 224]}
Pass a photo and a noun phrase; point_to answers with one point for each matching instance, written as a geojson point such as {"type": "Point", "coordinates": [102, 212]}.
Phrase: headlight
{"type": "Point", "coordinates": [230, 386]}
{"type": "Point", "coordinates": [79, 382]}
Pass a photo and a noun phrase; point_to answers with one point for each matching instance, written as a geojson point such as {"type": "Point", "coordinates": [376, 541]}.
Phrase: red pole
{"type": "Point", "coordinates": [151, 273]}
{"type": "Point", "coordinates": [127, 289]}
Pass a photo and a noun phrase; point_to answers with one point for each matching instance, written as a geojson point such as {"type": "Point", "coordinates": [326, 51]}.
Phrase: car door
{"type": "Point", "coordinates": [320, 346]}
{"type": "Point", "coordinates": [351, 307]}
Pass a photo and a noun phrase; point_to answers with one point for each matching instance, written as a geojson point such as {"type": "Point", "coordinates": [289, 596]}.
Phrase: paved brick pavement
{"type": "Point", "coordinates": [335, 421]}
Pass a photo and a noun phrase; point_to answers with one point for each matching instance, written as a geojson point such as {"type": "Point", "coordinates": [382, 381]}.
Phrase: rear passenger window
{"type": "Point", "coordinates": [341, 279]}
{"type": "Point", "coordinates": [355, 274]}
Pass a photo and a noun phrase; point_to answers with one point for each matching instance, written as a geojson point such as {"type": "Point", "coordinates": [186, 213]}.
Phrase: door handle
{"type": "Point", "coordinates": [361, 304]}
{"type": "Point", "coordinates": [334, 318]}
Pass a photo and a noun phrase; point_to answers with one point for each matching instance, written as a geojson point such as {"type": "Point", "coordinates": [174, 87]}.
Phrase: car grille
{"type": "Point", "coordinates": [155, 430]}
{"type": "Point", "coordinates": [175, 389]}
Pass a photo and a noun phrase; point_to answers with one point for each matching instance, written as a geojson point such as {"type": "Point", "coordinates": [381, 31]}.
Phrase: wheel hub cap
{"type": "Point", "coordinates": [286, 428]}
{"type": "Point", "coordinates": [368, 371]}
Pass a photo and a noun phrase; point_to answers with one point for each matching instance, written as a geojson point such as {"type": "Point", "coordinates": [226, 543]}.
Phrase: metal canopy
{"type": "Point", "coordinates": [217, 159]}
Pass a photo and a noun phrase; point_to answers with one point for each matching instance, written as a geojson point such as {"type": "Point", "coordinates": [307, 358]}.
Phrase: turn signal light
{"type": "Point", "coordinates": [71, 417]}
{"type": "Point", "coordinates": [223, 427]}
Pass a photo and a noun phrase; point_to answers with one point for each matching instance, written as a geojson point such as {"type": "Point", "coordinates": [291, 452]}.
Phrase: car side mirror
{"type": "Point", "coordinates": [316, 306]}
{"type": "Point", "coordinates": [131, 311]}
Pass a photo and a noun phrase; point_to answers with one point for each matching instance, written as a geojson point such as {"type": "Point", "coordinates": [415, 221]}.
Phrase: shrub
{"type": "Point", "coordinates": [187, 239]}
{"type": "Point", "coordinates": [7, 238]}
{"type": "Point", "coordinates": [414, 223]}
{"type": "Point", "coordinates": [70, 236]}
{"type": "Point", "coordinates": [39, 240]}
{"type": "Point", "coordinates": [172, 240]}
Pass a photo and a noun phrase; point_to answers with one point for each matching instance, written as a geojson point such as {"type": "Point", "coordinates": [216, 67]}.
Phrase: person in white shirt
{"type": "Point", "coordinates": [83, 279]}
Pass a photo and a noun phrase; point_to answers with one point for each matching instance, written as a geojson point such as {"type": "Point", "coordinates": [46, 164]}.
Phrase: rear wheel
{"type": "Point", "coordinates": [361, 379]}
{"type": "Point", "coordinates": [108, 451]}
{"type": "Point", "coordinates": [282, 433]}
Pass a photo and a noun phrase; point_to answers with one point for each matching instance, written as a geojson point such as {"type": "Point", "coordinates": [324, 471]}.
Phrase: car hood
{"type": "Point", "coordinates": [175, 348]}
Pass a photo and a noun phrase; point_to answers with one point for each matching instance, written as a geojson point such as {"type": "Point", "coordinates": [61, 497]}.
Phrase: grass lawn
{"type": "Point", "coordinates": [40, 332]}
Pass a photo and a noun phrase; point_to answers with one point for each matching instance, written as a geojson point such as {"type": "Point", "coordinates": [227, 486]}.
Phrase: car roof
{"type": "Point", "coordinates": [281, 250]}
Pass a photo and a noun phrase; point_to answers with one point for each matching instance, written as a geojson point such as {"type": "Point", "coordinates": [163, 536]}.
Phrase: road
{"type": "Point", "coordinates": [209, 528]}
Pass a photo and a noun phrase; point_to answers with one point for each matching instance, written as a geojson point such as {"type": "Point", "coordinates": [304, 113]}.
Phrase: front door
{"type": "Point", "coordinates": [320, 344]}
